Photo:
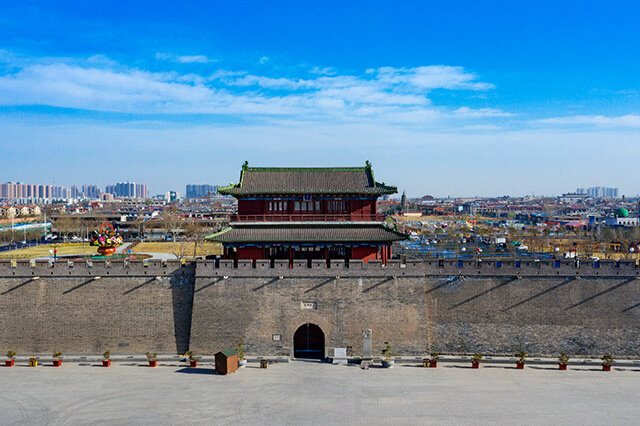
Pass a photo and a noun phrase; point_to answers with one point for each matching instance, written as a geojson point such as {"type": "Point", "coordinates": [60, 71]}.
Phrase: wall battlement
{"type": "Point", "coordinates": [264, 268]}
{"type": "Point", "coordinates": [60, 269]}
{"type": "Point", "coordinates": [419, 268]}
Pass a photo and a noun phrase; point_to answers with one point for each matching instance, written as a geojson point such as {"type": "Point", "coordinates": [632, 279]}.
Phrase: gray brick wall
{"type": "Point", "coordinates": [542, 307]}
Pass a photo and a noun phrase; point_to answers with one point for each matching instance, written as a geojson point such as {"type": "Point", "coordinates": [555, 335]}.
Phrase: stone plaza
{"type": "Point", "coordinates": [307, 392]}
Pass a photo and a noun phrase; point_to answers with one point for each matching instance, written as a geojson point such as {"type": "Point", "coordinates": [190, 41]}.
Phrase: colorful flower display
{"type": "Point", "coordinates": [106, 237]}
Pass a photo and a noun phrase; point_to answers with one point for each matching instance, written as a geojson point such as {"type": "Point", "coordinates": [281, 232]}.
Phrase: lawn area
{"type": "Point", "coordinates": [43, 251]}
{"type": "Point", "coordinates": [204, 248]}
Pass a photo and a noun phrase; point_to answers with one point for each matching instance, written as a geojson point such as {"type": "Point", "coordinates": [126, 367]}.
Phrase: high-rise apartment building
{"type": "Point", "coordinates": [200, 191]}
{"type": "Point", "coordinates": [128, 190]}
{"type": "Point", "coordinates": [598, 192]}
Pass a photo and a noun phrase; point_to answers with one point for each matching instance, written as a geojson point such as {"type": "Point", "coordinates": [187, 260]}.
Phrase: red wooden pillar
{"type": "Point", "coordinates": [326, 256]}
{"type": "Point", "coordinates": [384, 254]}
{"type": "Point", "coordinates": [290, 257]}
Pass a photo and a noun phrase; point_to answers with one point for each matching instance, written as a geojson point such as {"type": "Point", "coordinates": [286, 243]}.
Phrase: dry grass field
{"type": "Point", "coordinates": [43, 251]}
{"type": "Point", "coordinates": [185, 248]}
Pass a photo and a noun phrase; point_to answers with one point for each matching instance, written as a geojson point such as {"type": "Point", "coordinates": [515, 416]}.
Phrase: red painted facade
{"type": "Point", "coordinates": [315, 221]}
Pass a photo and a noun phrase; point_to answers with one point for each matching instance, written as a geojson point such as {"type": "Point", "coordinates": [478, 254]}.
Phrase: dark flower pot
{"type": "Point", "coordinates": [520, 365]}
{"type": "Point", "coordinates": [106, 363]}
{"type": "Point", "coordinates": [153, 362]}
{"type": "Point", "coordinates": [193, 363]}
{"type": "Point", "coordinates": [475, 364]}
{"type": "Point", "coordinates": [57, 362]}
{"type": "Point", "coordinates": [9, 362]}
{"type": "Point", "coordinates": [606, 367]}
{"type": "Point", "coordinates": [433, 363]}
{"type": "Point", "coordinates": [562, 366]}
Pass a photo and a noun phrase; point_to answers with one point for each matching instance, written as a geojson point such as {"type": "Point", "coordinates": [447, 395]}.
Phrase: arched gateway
{"type": "Point", "coordinates": [308, 342]}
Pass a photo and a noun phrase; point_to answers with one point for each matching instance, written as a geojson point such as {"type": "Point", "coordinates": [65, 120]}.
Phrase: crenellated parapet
{"type": "Point", "coordinates": [319, 268]}
{"type": "Point", "coordinates": [102, 268]}
{"type": "Point", "coordinates": [418, 268]}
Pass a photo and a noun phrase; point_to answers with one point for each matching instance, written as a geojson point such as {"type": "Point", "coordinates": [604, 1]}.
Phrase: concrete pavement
{"type": "Point", "coordinates": [309, 393]}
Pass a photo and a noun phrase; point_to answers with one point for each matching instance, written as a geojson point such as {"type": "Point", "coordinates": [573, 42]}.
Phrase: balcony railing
{"type": "Point", "coordinates": [308, 217]}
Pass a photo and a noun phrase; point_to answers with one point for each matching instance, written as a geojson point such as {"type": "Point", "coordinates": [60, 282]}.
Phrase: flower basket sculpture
{"type": "Point", "coordinates": [106, 239]}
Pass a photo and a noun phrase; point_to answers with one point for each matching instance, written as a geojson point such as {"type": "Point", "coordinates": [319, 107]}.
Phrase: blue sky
{"type": "Point", "coordinates": [444, 98]}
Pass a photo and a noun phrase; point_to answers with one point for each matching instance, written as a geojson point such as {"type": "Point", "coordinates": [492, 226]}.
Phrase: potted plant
{"type": "Point", "coordinates": [242, 362]}
{"type": "Point", "coordinates": [11, 359]}
{"type": "Point", "coordinates": [433, 361]}
{"type": "Point", "coordinates": [193, 362]}
{"type": "Point", "coordinates": [153, 359]}
{"type": "Point", "coordinates": [106, 362]}
{"type": "Point", "coordinates": [475, 360]}
{"type": "Point", "coordinates": [57, 359]}
{"type": "Point", "coordinates": [387, 361]}
{"type": "Point", "coordinates": [33, 361]}
{"type": "Point", "coordinates": [562, 361]}
{"type": "Point", "coordinates": [521, 357]}
{"type": "Point", "coordinates": [607, 360]}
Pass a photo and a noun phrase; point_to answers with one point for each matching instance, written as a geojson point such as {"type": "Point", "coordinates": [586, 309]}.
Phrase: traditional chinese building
{"type": "Point", "coordinates": [307, 213]}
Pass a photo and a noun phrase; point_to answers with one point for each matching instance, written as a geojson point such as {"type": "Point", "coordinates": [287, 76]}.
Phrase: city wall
{"type": "Point", "coordinates": [543, 307]}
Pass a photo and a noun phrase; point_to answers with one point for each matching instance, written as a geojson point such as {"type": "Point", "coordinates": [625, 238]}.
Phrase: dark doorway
{"type": "Point", "coordinates": [308, 342]}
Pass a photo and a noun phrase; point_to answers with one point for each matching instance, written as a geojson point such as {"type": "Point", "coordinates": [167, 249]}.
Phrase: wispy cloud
{"type": "Point", "coordinates": [193, 59]}
{"type": "Point", "coordinates": [629, 120]}
{"type": "Point", "coordinates": [396, 96]}
{"type": "Point", "coordinates": [432, 77]}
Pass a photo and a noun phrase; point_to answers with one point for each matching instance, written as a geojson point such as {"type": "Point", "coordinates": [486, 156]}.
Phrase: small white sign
{"type": "Point", "coordinates": [277, 337]}
{"type": "Point", "coordinates": [309, 305]}
{"type": "Point", "coordinates": [340, 356]}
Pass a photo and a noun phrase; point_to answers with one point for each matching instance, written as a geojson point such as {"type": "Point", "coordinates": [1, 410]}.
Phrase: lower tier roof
{"type": "Point", "coordinates": [307, 234]}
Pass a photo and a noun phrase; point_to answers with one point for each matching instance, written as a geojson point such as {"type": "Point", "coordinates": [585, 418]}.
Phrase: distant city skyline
{"type": "Point", "coordinates": [482, 98]}
{"type": "Point", "coordinates": [21, 190]}
{"type": "Point", "coordinates": [199, 190]}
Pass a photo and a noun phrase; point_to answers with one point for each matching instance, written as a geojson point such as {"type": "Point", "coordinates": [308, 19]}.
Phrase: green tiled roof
{"type": "Point", "coordinates": [228, 352]}
{"type": "Point", "coordinates": [307, 180]}
{"type": "Point", "coordinates": [307, 234]}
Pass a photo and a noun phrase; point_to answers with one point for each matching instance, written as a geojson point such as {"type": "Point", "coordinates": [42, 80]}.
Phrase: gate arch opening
{"type": "Point", "coordinates": [308, 342]}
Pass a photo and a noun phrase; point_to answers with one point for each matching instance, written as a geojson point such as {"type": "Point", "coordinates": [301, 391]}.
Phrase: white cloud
{"type": "Point", "coordinates": [480, 112]}
{"type": "Point", "coordinates": [264, 60]}
{"type": "Point", "coordinates": [386, 95]}
{"type": "Point", "coordinates": [433, 77]}
{"type": "Point", "coordinates": [629, 120]}
{"type": "Point", "coordinates": [194, 59]}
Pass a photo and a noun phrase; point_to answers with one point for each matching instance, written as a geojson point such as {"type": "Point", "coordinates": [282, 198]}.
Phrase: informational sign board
{"type": "Point", "coordinates": [340, 356]}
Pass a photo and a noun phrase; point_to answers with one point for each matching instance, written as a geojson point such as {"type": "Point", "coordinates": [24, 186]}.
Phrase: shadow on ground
{"type": "Point", "coordinates": [189, 370]}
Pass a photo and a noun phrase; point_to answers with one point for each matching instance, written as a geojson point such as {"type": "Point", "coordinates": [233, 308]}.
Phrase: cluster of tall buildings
{"type": "Point", "coordinates": [598, 192]}
{"type": "Point", "coordinates": [18, 190]}
{"type": "Point", "coordinates": [201, 191]}
{"type": "Point", "coordinates": [24, 192]}
{"type": "Point", "coordinates": [128, 190]}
